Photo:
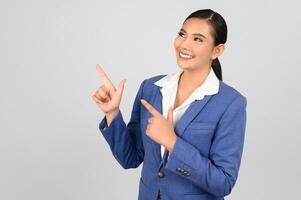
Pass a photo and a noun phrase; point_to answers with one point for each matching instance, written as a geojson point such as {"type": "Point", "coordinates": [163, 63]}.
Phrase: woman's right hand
{"type": "Point", "coordinates": [107, 97]}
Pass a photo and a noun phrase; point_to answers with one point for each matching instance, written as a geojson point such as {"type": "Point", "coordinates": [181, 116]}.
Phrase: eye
{"type": "Point", "coordinates": [180, 34]}
{"type": "Point", "coordinates": [199, 39]}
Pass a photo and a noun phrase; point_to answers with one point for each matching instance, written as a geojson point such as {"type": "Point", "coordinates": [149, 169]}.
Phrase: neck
{"type": "Point", "coordinates": [190, 79]}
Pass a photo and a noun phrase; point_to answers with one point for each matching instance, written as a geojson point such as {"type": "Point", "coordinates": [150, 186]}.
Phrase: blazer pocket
{"type": "Point", "coordinates": [201, 127]}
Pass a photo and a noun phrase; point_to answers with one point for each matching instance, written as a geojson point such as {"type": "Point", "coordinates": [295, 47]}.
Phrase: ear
{"type": "Point", "coordinates": [217, 51]}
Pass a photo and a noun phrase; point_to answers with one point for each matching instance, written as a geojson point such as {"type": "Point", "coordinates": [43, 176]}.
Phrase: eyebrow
{"type": "Point", "coordinates": [201, 35]}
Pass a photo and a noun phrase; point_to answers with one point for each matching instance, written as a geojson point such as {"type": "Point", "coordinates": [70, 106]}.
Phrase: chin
{"type": "Point", "coordinates": [184, 65]}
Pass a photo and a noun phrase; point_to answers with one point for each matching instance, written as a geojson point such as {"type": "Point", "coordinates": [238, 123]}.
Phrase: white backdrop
{"type": "Point", "coordinates": [50, 145]}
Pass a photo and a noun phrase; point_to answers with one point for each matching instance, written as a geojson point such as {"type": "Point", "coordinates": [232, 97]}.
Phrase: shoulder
{"type": "Point", "coordinates": [230, 94]}
{"type": "Point", "coordinates": [227, 89]}
{"type": "Point", "coordinates": [153, 79]}
{"type": "Point", "coordinates": [149, 83]}
{"type": "Point", "coordinates": [148, 86]}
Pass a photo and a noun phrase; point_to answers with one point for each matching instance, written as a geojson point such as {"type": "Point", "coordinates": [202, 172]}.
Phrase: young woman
{"type": "Point", "coordinates": [187, 127]}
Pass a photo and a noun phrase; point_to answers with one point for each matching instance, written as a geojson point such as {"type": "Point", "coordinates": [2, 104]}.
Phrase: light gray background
{"type": "Point", "coordinates": [50, 145]}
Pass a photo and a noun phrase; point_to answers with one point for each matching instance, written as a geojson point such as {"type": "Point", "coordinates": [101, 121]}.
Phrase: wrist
{"type": "Point", "coordinates": [110, 116]}
{"type": "Point", "coordinates": [113, 112]}
{"type": "Point", "coordinates": [171, 143]}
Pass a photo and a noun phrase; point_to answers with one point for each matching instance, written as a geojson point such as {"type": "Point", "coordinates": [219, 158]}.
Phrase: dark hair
{"type": "Point", "coordinates": [219, 33]}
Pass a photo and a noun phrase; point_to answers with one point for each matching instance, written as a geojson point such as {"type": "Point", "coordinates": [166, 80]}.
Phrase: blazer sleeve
{"type": "Point", "coordinates": [217, 173]}
{"type": "Point", "coordinates": [125, 140]}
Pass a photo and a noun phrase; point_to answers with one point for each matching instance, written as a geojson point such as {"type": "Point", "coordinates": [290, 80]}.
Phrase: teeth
{"type": "Point", "coordinates": [185, 56]}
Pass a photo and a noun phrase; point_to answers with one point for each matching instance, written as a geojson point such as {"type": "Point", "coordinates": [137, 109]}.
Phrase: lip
{"type": "Point", "coordinates": [185, 54]}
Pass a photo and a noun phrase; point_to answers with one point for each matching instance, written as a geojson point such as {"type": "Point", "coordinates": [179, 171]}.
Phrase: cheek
{"type": "Point", "coordinates": [176, 43]}
{"type": "Point", "coordinates": [203, 53]}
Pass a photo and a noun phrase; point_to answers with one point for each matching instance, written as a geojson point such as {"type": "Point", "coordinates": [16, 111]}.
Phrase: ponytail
{"type": "Point", "coordinates": [216, 66]}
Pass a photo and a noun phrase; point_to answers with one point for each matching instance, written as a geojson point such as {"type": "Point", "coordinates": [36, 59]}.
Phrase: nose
{"type": "Point", "coordinates": [184, 45]}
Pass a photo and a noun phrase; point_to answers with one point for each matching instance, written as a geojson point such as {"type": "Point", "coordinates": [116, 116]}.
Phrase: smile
{"type": "Point", "coordinates": [185, 56]}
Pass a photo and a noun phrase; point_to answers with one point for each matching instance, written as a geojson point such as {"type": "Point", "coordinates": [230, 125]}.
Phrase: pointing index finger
{"type": "Point", "coordinates": [150, 108]}
{"type": "Point", "coordinates": [103, 75]}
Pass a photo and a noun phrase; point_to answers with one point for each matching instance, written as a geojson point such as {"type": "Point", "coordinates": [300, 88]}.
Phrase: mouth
{"type": "Point", "coordinates": [185, 56]}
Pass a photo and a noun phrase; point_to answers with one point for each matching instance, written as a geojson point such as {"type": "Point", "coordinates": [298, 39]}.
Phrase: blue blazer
{"type": "Point", "coordinates": [205, 160]}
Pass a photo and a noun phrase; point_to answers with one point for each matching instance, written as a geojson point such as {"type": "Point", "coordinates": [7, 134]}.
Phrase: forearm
{"type": "Point", "coordinates": [124, 140]}
{"type": "Point", "coordinates": [217, 180]}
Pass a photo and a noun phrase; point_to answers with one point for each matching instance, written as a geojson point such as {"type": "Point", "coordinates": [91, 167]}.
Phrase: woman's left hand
{"type": "Point", "coordinates": [159, 129]}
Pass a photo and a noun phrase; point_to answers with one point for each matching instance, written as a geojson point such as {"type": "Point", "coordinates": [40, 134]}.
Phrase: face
{"type": "Point", "coordinates": [194, 45]}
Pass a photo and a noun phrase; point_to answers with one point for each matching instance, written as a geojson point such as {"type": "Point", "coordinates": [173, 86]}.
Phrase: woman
{"type": "Point", "coordinates": [195, 119]}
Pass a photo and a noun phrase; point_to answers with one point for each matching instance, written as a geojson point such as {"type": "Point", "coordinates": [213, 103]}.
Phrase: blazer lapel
{"type": "Point", "coordinates": [156, 102]}
{"type": "Point", "coordinates": [191, 112]}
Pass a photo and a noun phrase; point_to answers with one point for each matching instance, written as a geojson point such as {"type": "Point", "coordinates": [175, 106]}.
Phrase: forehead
{"type": "Point", "coordinates": [196, 25]}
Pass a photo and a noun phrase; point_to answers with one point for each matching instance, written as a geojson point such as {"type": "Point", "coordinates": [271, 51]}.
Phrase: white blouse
{"type": "Point", "coordinates": [169, 84]}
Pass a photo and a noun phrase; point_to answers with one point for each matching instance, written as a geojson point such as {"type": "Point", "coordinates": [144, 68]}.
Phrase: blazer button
{"type": "Point", "coordinates": [186, 173]}
{"type": "Point", "coordinates": [160, 174]}
{"type": "Point", "coordinates": [178, 169]}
